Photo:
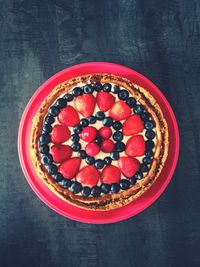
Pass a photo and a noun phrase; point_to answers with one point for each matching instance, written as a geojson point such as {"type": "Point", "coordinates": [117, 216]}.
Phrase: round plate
{"type": "Point", "coordinates": [53, 201]}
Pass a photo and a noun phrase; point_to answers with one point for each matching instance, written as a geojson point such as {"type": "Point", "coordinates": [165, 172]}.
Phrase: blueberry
{"type": "Point", "coordinates": [119, 146]}
{"type": "Point", "coordinates": [61, 102]}
{"type": "Point", "coordinates": [144, 168]}
{"type": "Point", "coordinates": [65, 183]}
{"type": "Point", "coordinates": [88, 89]}
{"type": "Point", "coordinates": [117, 125]}
{"type": "Point", "coordinates": [47, 128]}
{"type": "Point", "coordinates": [115, 188]}
{"type": "Point", "coordinates": [150, 134]}
{"type": "Point", "coordinates": [75, 138]}
{"type": "Point", "coordinates": [76, 146]}
{"type": "Point", "coordinates": [92, 119]}
{"type": "Point", "coordinates": [118, 136]}
{"type": "Point", "coordinates": [82, 154]}
{"type": "Point", "coordinates": [100, 115]}
{"type": "Point", "coordinates": [86, 191]}
{"type": "Point", "coordinates": [131, 102]}
{"type": "Point", "coordinates": [124, 184]}
{"type": "Point", "coordinates": [149, 125]}
{"type": "Point", "coordinates": [108, 121]}
{"type": "Point", "coordinates": [54, 111]}
{"type": "Point", "coordinates": [84, 122]}
{"type": "Point", "coordinates": [52, 169]}
{"type": "Point", "coordinates": [114, 155]}
{"type": "Point", "coordinates": [105, 188]}
{"type": "Point", "coordinates": [58, 177]}
{"type": "Point", "coordinates": [115, 89]}
{"type": "Point", "coordinates": [98, 86]}
{"type": "Point", "coordinates": [149, 144]}
{"type": "Point", "coordinates": [138, 109]}
{"type": "Point", "coordinates": [68, 97]}
{"type": "Point", "coordinates": [149, 153]}
{"type": "Point", "coordinates": [75, 188]}
{"type": "Point", "coordinates": [44, 149]}
{"type": "Point", "coordinates": [123, 94]}
{"type": "Point", "coordinates": [44, 139]}
{"type": "Point", "coordinates": [89, 160]}
{"type": "Point", "coordinates": [107, 160]}
{"type": "Point", "coordinates": [46, 159]}
{"type": "Point", "coordinates": [99, 164]}
{"type": "Point", "coordinates": [77, 91]}
{"type": "Point", "coordinates": [96, 191]}
{"type": "Point", "coordinates": [144, 116]}
{"type": "Point", "coordinates": [133, 180]}
{"type": "Point", "coordinates": [49, 119]}
{"type": "Point", "coordinates": [98, 140]}
{"type": "Point", "coordinates": [107, 87]}
{"type": "Point", "coordinates": [77, 129]}
{"type": "Point", "coordinates": [138, 175]}
{"type": "Point", "coordinates": [146, 160]}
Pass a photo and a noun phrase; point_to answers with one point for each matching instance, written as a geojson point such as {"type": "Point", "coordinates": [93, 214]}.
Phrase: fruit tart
{"type": "Point", "coordinates": [99, 141]}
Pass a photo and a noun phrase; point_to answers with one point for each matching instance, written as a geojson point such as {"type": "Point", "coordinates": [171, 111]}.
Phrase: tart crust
{"type": "Point", "coordinates": [108, 201]}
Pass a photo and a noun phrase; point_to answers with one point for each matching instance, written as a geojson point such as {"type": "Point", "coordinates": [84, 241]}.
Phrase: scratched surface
{"type": "Point", "coordinates": [158, 38]}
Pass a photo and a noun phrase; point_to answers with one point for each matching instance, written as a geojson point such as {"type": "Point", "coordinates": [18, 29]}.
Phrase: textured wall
{"type": "Point", "coordinates": [158, 38]}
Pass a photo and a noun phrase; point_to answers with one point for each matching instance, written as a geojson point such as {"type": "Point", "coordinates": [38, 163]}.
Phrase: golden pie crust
{"type": "Point", "coordinates": [107, 201]}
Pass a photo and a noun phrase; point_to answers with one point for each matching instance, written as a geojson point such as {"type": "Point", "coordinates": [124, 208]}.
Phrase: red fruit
{"type": "Point", "coordinates": [68, 116]}
{"type": "Point", "coordinates": [128, 166]}
{"type": "Point", "coordinates": [133, 125]}
{"type": "Point", "coordinates": [88, 176]}
{"type": "Point", "coordinates": [107, 146]}
{"type": "Point", "coordinates": [120, 111]}
{"type": "Point", "coordinates": [105, 132]}
{"type": "Point", "coordinates": [105, 101]}
{"type": "Point", "coordinates": [61, 152]}
{"type": "Point", "coordinates": [60, 133]}
{"type": "Point", "coordinates": [70, 167]}
{"type": "Point", "coordinates": [92, 149]}
{"type": "Point", "coordinates": [110, 174]}
{"type": "Point", "coordinates": [85, 104]}
{"type": "Point", "coordinates": [135, 146]}
{"type": "Point", "coordinates": [88, 134]}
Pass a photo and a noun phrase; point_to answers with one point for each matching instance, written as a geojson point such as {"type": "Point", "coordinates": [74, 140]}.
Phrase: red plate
{"type": "Point", "coordinates": [54, 202]}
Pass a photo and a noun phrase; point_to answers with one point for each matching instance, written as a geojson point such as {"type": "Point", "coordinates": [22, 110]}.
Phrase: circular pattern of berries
{"type": "Point", "coordinates": [122, 117]}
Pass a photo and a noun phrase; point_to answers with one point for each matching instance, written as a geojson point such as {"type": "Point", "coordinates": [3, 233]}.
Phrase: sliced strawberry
{"type": "Point", "coordinates": [110, 174]}
{"type": "Point", "coordinates": [68, 116]}
{"type": "Point", "coordinates": [128, 166]}
{"type": "Point", "coordinates": [88, 176]}
{"type": "Point", "coordinates": [107, 146]}
{"type": "Point", "coordinates": [88, 134]}
{"type": "Point", "coordinates": [70, 167]}
{"type": "Point", "coordinates": [120, 111]}
{"type": "Point", "coordinates": [133, 125]}
{"type": "Point", "coordinates": [85, 104]}
{"type": "Point", "coordinates": [105, 101]}
{"type": "Point", "coordinates": [60, 152]}
{"type": "Point", "coordinates": [60, 133]}
{"type": "Point", "coordinates": [92, 149]}
{"type": "Point", "coordinates": [105, 132]}
{"type": "Point", "coordinates": [135, 146]}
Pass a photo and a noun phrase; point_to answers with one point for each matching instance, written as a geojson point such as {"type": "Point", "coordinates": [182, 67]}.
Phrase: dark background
{"type": "Point", "coordinates": [158, 38]}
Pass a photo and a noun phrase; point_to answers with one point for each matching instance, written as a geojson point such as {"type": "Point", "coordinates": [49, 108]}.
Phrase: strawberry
{"type": "Point", "coordinates": [70, 167]}
{"type": "Point", "coordinates": [105, 132]}
{"type": "Point", "coordinates": [85, 104]}
{"type": "Point", "coordinates": [88, 176]}
{"type": "Point", "coordinates": [133, 125]}
{"type": "Point", "coordinates": [92, 149]}
{"type": "Point", "coordinates": [135, 146]}
{"type": "Point", "coordinates": [60, 152]}
{"type": "Point", "coordinates": [107, 146]}
{"type": "Point", "coordinates": [128, 166]}
{"type": "Point", "coordinates": [60, 133]}
{"type": "Point", "coordinates": [88, 134]}
{"type": "Point", "coordinates": [120, 111]}
{"type": "Point", "coordinates": [68, 116]}
{"type": "Point", "coordinates": [110, 174]}
{"type": "Point", "coordinates": [105, 101]}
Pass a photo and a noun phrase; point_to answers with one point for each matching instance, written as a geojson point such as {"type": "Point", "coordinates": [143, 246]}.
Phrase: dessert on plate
{"type": "Point", "coordinates": [99, 141]}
